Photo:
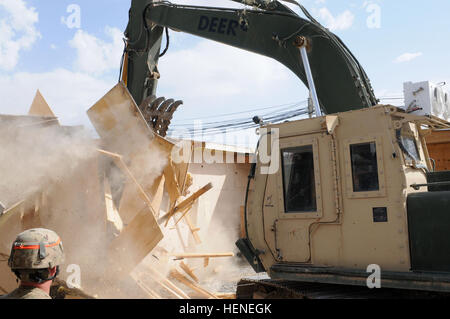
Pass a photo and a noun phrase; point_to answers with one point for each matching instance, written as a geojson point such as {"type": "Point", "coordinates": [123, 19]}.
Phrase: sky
{"type": "Point", "coordinates": [71, 51]}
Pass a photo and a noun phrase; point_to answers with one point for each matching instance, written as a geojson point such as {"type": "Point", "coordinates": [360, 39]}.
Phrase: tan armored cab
{"type": "Point", "coordinates": [338, 201]}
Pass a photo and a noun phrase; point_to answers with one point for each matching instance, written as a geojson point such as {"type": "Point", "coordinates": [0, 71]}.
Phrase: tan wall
{"type": "Point", "coordinates": [218, 211]}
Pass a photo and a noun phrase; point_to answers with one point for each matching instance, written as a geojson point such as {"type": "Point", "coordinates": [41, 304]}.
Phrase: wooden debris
{"type": "Point", "coordinates": [40, 107]}
{"type": "Point", "coordinates": [117, 113]}
{"type": "Point", "coordinates": [194, 230]}
{"type": "Point", "coordinates": [158, 191]}
{"type": "Point", "coordinates": [188, 271]}
{"type": "Point", "coordinates": [183, 213]}
{"type": "Point", "coordinates": [187, 282]}
{"type": "Point", "coordinates": [153, 294]}
{"type": "Point", "coordinates": [187, 202]}
{"type": "Point", "coordinates": [206, 257]}
{"type": "Point", "coordinates": [172, 186]}
{"type": "Point", "coordinates": [201, 255]}
{"type": "Point", "coordinates": [168, 285]}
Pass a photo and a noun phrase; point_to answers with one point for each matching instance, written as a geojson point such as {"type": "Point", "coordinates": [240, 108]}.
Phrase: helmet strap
{"type": "Point", "coordinates": [38, 276]}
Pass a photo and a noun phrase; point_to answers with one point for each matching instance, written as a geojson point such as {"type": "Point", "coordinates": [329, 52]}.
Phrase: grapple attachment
{"type": "Point", "coordinates": [158, 112]}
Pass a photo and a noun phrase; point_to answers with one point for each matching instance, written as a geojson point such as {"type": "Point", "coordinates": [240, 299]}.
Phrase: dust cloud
{"type": "Point", "coordinates": [34, 156]}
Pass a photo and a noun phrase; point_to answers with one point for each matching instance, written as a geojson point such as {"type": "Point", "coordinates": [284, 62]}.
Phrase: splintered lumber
{"type": "Point", "coordinates": [205, 257]}
{"type": "Point", "coordinates": [188, 201]}
{"type": "Point", "coordinates": [153, 294]}
{"type": "Point", "coordinates": [183, 177]}
{"type": "Point", "coordinates": [201, 255]}
{"type": "Point", "coordinates": [187, 282]}
{"type": "Point", "coordinates": [188, 271]}
{"type": "Point", "coordinates": [183, 212]}
{"type": "Point", "coordinates": [168, 285]}
{"type": "Point", "coordinates": [194, 231]}
{"type": "Point", "coordinates": [173, 188]}
{"type": "Point", "coordinates": [158, 194]}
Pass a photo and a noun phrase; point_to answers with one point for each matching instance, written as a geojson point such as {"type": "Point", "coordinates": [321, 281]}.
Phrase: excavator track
{"type": "Point", "coordinates": [277, 289]}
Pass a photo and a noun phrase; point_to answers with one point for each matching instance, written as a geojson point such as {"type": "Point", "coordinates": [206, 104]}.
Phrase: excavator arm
{"type": "Point", "coordinates": [269, 29]}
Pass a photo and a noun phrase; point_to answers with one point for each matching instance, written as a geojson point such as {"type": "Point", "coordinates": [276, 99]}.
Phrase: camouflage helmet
{"type": "Point", "coordinates": [36, 249]}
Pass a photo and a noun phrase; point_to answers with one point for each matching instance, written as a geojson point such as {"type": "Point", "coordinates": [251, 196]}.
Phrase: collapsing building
{"type": "Point", "coordinates": [139, 215]}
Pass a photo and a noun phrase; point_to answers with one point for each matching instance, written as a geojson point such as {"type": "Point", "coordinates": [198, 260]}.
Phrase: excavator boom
{"type": "Point", "coordinates": [269, 29]}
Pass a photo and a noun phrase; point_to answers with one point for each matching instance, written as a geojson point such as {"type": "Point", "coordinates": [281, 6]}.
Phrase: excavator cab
{"type": "Point", "coordinates": [350, 193]}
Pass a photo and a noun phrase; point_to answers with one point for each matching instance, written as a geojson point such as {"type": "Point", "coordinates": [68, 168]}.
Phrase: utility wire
{"type": "Point", "coordinates": [245, 124]}
{"type": "Point", "coordinates": [273, 107]}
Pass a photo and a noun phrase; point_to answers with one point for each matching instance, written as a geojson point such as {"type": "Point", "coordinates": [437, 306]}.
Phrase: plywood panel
{"type": "Point", "coordinates": [137, 240]}
{"type": "Point", "coordinates": [441, 154]}
{"type": "Point", "coordinates": [40, 106]}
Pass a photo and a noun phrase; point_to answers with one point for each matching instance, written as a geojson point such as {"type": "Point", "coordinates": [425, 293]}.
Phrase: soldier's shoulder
{"type": "Point", "coordinates": [26, 293]}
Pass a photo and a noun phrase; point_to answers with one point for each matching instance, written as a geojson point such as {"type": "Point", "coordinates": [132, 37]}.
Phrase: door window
{"type": "Point", "coordinates": [364, 167]}
{"type": "Point", "coordinates": [299, 180]}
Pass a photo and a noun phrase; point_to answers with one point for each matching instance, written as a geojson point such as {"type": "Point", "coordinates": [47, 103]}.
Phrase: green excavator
{"type": "Point", "coordinates": [352, 201]}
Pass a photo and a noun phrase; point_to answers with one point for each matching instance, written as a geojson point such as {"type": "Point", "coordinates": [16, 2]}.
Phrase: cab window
{"type": "Point", "coordinates": [364, 167]}
{"type": "Point", "coordinates": [299, 180]}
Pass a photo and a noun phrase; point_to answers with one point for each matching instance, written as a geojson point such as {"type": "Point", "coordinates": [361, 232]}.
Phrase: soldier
{"type": "Point", "coordinates": [35, 258]}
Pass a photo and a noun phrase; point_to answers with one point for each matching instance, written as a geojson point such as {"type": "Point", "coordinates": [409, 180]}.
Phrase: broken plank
{"type": "Point", "coordinates": [168, 284]}
{"type": "Point", "coordinates": [188, 271]}
{"type": "Point", "coordinates": [187, 282]}
{"type": "Point", "coordinates": [188, 201]}
{"type": "Point", "coordinates": [158, 194]}
{"type": "Point", "coordinates": [153, 294]}
{"type": "Point", "coordinates": [194, 230]}
{"type": "Point", "coordinates": [172, 186]}
{"type": "Point", "coordinates": [183, 212]}
{"type": "Point", "coordinates": [201, 255]}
